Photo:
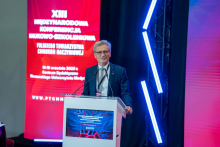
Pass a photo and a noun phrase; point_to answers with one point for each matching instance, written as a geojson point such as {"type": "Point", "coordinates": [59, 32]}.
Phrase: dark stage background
{"type": "Point", "coordinates": [177, 70]}
{"type": "Point", "coordinates": [121, 24]}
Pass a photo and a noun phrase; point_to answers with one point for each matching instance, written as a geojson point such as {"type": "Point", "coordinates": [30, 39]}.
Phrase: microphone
{"type": "Point", "coordinates": [106, 74]}
{"type": "Point", "coordinates": [86, 82]}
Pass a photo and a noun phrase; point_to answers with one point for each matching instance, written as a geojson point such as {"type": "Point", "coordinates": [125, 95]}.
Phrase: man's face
{"type": "Point", "coordinates": [102, 58]}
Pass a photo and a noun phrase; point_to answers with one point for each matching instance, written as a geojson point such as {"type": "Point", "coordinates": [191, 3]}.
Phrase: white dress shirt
{"type": "Point", "coordinates": [103, 89]}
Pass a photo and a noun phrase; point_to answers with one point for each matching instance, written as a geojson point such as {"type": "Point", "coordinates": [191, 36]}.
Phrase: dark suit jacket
{"type": "Point", "coordinates": [117, 78]}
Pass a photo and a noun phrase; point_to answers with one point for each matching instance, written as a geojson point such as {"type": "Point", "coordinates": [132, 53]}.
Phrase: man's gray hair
{"type": "Point", "coordinates": [102, 42]}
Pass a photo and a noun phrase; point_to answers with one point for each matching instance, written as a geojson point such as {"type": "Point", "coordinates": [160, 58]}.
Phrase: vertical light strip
{"type": "Point", "coordinates": [48, 140]}
{"type": "Point", "coordinates": [149, 14]}
{"type": "Point", "coordinates": [149, 51]}
{"type": "Point", "coordinates": [151, 58]}
{"type": "Point", "coordinates": [151, 111]}
{"type": "Point", "coordinates": [153, 66]}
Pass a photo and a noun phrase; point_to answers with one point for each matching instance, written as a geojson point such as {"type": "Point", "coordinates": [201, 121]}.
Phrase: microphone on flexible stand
{"type": "Point", "coordinates": [86, 82]}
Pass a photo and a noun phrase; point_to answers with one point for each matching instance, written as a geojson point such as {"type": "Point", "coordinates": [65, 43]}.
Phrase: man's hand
{"type": "Point", "coordinates": [128, 109]}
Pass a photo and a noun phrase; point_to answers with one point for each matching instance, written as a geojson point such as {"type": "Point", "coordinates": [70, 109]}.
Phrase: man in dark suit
{"type": "Point", "coordinates": [104, 69]}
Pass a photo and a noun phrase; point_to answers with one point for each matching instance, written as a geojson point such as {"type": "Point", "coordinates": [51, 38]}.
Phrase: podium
{"type": "Point", "coordinates": [90, 121]}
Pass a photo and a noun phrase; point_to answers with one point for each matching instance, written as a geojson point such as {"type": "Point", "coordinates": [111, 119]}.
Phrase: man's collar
{"type": "Point", "coordinates": [106, 66]}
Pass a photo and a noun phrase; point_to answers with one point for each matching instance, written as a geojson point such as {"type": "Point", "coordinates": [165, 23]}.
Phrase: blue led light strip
{"type": "Point", "coordinates": [154, 69]}
{"type": "Point", "coordinates": [147, 44]}
{"type": "Point", "coordinates": [152, 63]}
{"type": "Point", "coordinates": [151, 111]}
{"type": "Point", "coordinates": [152, 6]}
{"type": "Point", "coordinates": [48, 140]}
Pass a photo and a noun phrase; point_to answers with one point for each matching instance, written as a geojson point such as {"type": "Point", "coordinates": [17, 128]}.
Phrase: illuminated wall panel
{"type": "Point", "coordinates": [202, 95]}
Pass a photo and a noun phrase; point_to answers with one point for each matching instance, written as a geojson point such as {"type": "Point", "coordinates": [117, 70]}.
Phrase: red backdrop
{"type": "Point", "coordinates": [60, 39]}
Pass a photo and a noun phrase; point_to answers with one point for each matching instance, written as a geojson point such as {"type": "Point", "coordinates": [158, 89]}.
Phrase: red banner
{"type": "Point", "coordinates": [60, 39]}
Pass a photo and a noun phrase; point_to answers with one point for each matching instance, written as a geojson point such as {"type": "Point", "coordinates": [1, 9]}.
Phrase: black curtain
{"type": "Point", "coordinates": [177, 73]}
{"type": "Point", "coordinates": [122, 24]}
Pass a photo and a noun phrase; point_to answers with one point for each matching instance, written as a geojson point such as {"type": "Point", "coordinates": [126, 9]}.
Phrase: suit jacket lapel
{"type": "Point", "coordinates": [111, 78]}
{"type": "Point", "coordinates": [93, 82]}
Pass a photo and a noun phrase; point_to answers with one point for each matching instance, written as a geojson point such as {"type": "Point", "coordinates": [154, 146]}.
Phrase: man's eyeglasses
{"type": "Point", "coordinates": [104, 52]}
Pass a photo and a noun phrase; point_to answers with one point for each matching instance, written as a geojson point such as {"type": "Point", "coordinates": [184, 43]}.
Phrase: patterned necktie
{"type": "Point", "coordinates": [101, 79]}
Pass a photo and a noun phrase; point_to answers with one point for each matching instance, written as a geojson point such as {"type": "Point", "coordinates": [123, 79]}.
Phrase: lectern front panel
{"type": "Point", "coordinates": [86, 123]}
{"type": "Point", "coordinates": [85, 107]}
